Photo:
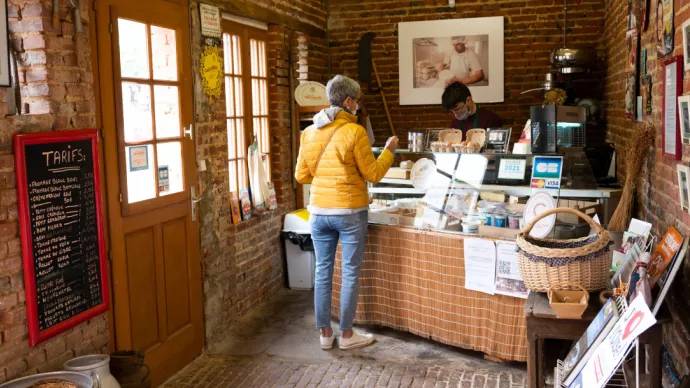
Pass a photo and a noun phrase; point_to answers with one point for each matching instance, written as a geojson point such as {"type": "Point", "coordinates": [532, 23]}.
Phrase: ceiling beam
{"type": "Point", "coordinates": [260, 13]}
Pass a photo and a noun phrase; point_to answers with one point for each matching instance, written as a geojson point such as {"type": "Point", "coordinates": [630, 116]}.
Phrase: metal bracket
{"type": "Point", "coordinates": [188, 131]}
{"type": "Point", "coordinates": [195, 200]}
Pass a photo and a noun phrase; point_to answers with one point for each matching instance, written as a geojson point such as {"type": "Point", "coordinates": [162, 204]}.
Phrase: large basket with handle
{"type": "Point", "coordinates": [544, 262]}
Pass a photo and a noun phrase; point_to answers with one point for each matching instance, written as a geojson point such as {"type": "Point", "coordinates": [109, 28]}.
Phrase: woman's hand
{"type": "Point", "coordinates": [392, 143]}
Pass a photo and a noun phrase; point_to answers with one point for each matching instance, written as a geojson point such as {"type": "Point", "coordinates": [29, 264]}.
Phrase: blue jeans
{"type": "Point", "coordinates": [325, 232]}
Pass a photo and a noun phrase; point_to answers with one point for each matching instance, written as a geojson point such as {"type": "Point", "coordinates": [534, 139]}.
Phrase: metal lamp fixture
{"type": "Point", "coordinates": [571, 60]}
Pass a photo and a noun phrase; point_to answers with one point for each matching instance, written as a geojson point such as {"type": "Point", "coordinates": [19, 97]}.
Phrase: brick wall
{"type": "Point", "coordinates": [657, 189]}
{"type": "Point", "coordinates": [243, 265]}
{"type": "Point", "coordinates": [533, 28]}
{"type": "Point", "coordinates": [57, 87]}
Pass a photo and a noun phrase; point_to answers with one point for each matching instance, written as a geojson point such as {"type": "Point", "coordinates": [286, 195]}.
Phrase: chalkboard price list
{"type": "Point", "coordinates": [62, 209]}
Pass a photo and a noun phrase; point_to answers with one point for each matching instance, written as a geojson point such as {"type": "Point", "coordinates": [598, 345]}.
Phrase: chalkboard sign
{"type": "Point", "coordinates": [58, 184]}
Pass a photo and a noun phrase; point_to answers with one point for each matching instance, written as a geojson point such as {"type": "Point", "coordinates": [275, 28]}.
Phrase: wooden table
{"type": "Point", "coordinates": [542, 324]}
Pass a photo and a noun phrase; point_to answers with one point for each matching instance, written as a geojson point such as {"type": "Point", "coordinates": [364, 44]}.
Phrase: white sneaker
{"type": "Point", "coordinates": [327, 342]}
{"type": "Point", "coordinates": [357, 340]}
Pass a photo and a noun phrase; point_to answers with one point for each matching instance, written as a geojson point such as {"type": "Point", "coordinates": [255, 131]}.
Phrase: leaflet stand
{"type": "Point", "coordinates": [619, 372]}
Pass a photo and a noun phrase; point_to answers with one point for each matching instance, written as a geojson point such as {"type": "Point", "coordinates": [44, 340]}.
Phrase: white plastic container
{"type": "Point", "coordinates": [299, 253]}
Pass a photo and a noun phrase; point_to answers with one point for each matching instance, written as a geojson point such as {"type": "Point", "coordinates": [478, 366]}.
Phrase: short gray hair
{"type": "Point", "coordinates": [340, 88]}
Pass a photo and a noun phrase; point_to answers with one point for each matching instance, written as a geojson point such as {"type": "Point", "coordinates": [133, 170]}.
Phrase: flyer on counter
{"type": "Point", "coordinates": [480, 265]}
{"type": "Point", "coordinates": [508, 279]}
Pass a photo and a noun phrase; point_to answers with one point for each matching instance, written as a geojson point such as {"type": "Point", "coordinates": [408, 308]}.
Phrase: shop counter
{"type": "Point", "coordinates": [413, 280]}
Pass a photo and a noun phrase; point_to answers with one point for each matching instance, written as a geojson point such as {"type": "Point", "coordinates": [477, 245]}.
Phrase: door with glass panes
{"type": "Point", "coordinates": [146, 101]}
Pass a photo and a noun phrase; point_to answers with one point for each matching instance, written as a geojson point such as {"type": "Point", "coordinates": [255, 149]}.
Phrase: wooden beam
{"type": "Point", "coordinates": [260, 13]}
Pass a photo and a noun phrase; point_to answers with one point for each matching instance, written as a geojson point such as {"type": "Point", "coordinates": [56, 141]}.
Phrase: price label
{"type": "Point", "coordinates": [512, 169]}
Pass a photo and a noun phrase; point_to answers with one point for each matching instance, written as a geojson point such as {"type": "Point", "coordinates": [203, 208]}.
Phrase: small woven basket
{"type": "Point", "coordinates": [585, 261]}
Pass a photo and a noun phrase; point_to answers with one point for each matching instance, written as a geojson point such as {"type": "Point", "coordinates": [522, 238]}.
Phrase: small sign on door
{"type": "Point", "coordinates": [138, 158]}
{"type": "Point", "coordinates": [163, 179]}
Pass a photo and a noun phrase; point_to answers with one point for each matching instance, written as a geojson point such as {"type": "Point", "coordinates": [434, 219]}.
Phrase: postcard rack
{"type": "Point", "coordinates": [619, 378]}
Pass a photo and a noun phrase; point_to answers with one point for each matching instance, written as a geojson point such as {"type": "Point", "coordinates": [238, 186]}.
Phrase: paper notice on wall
{"type": "Point", "coordinates": [508, 278]}
{"type": "Point", "coordinates": [608, 355]}
{"type": "Point", "coordinates": [210, 21]}
{"type": "Point", "coordinates": [480, 265]}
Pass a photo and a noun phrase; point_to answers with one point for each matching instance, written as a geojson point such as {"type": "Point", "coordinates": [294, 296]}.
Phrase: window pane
{"type": "Point", "coordinates": [236, 58]}
{"type": "Point", "coordinates": [256, 106]}
{"type": "Point", "coordinates": [242, 173]}
{"type": "Point", "coordinates": [140, 173]}
{"type": "Point", "coordinates": [263, 88]}
{"type": "Point", "coordinates": [239, 105]}
{"type": "Point", "coordinates": [265, 136]}
{"type": "Point", "coordinates": [232, 141]}
{"type": "Point", "coordinates": [229, 98]}
{"type": "Point", "coordinates": [241, 141]}
{"type": "Point", "coordinates": [167, 111]}
{"type": "Point", "coordinates": [254, 56]}
{"type": "Point", "coordinates": [232, 172]}
{"type": "Point", "coordinates": [262, 59]}
{"type": "Point", "coordinates": [134, 53]}
{"type": "Point", "coordinates": [170, 164]}
{"type": "Point", "coordinates": [136, 109]}
{"type": "Point", "coordinates": [227, 54]}
{"type": "Point", "coordinates": [164, 53]}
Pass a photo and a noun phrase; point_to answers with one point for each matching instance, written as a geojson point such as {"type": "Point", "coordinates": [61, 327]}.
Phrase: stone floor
{"type": "Point", "coordinates": [277, 346]}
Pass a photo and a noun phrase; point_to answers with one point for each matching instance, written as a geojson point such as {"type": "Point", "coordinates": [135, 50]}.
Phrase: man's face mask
{"type": "Point", "coordinates": [462, 113]}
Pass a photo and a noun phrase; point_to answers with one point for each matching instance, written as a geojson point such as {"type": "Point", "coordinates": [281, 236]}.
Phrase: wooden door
{"type": "Point", "coordinates": [146, 103]}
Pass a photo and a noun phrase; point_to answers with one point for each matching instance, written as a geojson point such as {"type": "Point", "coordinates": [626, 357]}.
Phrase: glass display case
{"type": "Point", "coordinates": [484, 193]}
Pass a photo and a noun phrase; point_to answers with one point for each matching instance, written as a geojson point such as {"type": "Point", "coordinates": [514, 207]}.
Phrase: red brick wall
{"type": "Point", "coordinates": [57, 86]}
{"type": "Point", "coordinates": [533, 28]}
{"type": "Point", "coordinates": [657, 189]}
{"type": "Point", "coordinates": [243, 265]}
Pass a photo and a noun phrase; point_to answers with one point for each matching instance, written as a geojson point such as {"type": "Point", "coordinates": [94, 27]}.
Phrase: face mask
{"type": "Point", "coordinates": [463, 115]}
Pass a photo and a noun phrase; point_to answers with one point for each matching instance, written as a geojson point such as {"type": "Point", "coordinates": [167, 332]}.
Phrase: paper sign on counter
{"type": "Point", "coordinates": [480, 265]}
{"type": "Point", "coordinates": [508, 278]}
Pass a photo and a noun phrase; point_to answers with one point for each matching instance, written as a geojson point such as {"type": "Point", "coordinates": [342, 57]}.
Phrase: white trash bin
{"type": "Point", "coordinates": [299, 250]}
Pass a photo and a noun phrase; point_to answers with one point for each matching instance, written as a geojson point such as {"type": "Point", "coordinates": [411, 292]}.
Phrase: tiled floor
{"type": "Point", "coordinates": [277, 346]}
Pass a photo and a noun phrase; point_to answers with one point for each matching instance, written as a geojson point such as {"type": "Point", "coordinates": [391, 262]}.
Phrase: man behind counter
{"type": "Point", "coordinates": [457, 99]}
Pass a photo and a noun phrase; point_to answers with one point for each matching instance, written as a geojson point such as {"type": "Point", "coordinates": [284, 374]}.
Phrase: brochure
{"type": "Point", "coordinates": [663, 255]}
{"type": "Point", "coordinates": [596, 332]}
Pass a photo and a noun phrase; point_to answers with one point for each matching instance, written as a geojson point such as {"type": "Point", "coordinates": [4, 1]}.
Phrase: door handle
{"type": "Point", "coordinates": [188, 131]}
{"type": "Point", "coordinates": [195, 200]}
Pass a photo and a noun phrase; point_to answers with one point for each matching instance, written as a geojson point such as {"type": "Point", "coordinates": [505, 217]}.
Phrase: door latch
{"type": "Point", "coordinates": [195, 200]}
{"type": "Point", "coordinates": [188, 132]}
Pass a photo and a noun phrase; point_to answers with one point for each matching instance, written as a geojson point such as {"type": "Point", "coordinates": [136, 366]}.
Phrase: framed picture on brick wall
{"type": "Point", "coordinates": [433, 54]}
{"type": "Point", "coordinates": [673, 88]}
{"type": "Point", "coordinates": [4, 46]}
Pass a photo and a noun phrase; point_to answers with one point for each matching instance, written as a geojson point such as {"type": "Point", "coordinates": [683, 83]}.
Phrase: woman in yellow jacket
{"type": "Point", "coordinates": [335, 156]}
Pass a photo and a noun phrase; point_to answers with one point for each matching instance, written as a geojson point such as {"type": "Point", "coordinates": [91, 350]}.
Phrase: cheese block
{"type": "Point", "coordinates": [492, 197]}
{"type": "Point", "coordinates": [398, 173]}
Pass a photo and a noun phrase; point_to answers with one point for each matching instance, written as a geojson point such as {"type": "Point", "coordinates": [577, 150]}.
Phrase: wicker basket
{"type": "Point", "coordinates": [585, 261]}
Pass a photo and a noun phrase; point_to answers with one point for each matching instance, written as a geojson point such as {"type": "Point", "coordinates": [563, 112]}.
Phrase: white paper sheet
{"type": "Point", "coordinates": [508, 278]}
{"type": "Point", "coordinates": [480, 265]}
{"type": "Point", "coordinates": [671, 107]}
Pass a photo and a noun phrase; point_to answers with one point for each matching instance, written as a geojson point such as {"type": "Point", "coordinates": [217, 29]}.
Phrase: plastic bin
{"type": "Point", "coordinates": [299, 250]}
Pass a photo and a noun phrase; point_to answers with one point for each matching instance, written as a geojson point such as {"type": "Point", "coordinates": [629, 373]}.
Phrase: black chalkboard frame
{"type": "Point", "coordinates": [21, 141]}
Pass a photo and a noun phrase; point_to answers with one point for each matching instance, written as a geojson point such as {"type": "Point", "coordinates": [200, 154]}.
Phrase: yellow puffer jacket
{"type": "Point", "coordinates": [345, 165]}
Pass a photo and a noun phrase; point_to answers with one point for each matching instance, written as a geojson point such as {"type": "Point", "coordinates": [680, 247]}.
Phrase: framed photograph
{"type": "Point", "coordinates": [684, 117]}
{"type": "Point", "coordinates": [433, 54]}
{"type": "Point", "coordinates": [673, 87]}
{"type": "Point", "coordinates": [4, 47]}
{"type": "Point", "coordinates": [686, 45]}
{"type": "Point", "coordinates": [668, 29]}
{"type": "Point", "coordinates": [684, 186]}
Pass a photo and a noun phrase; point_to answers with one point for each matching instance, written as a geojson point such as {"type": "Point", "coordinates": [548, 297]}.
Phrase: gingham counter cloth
{"type": "Point", "coordinates": [414, 281]}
